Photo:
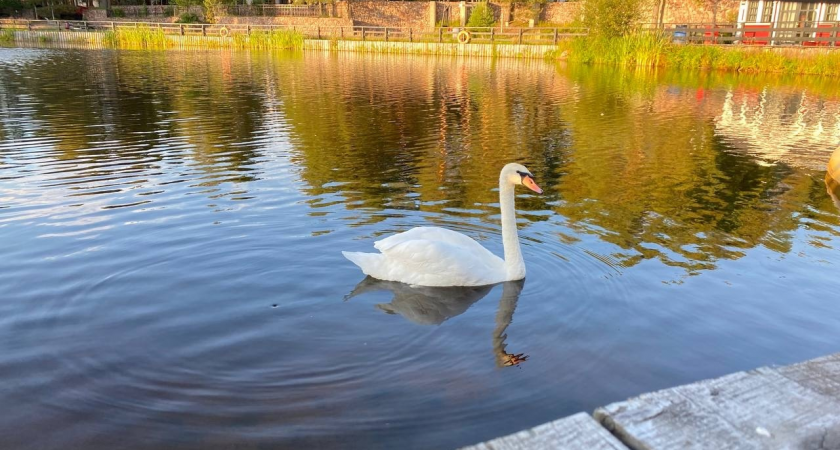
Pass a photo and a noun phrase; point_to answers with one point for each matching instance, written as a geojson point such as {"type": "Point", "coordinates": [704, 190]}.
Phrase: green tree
{"type": "Point", "coordinates": [481, 16]}
{"type": "Point", "coordinates": [612, 18]}
{"type": "Point", "coordinates": [9, 7]}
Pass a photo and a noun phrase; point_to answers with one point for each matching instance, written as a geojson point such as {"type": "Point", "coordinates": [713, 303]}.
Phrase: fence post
{"type": "Point", "coordinates": [440, 35]}
{"type": "Point", "coordinates": [248, 29]}
{"type": "Point", "coordinates": [363, 33]}
{"type": "Point", "coordinates": [492, 32]}
{"type": "Point", "coordinates": [410, 35]}
{"type": "Point", "coordinates": [203, 30]}
{"type": "Point", "coordinates": [342, 31]}
{"type": "Point", "coordinates": [113, 27]}
{"type": "Point", "coordinates": [386, 34]}
{"type": "Point", "coordinates": [182, 29]}
{"type": "Point", "coordinates": [319, 32]}
{"type": "Point", "coordinates": [520, 36]}
{"type": "Point", "coordinates": [555, 36]}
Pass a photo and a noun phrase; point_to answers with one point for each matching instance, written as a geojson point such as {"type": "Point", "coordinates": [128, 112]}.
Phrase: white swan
{"type": "Point", "coordinates": [432, 256]}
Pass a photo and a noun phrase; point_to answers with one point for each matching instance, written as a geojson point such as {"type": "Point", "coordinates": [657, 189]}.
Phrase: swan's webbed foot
{"type": "Point", "coordinates": [510, 359]}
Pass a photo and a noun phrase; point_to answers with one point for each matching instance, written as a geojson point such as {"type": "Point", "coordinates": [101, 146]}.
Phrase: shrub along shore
{"type": "Point", "coordinates": [656, 50]}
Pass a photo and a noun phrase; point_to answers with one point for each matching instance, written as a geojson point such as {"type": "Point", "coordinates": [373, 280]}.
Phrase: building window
{"type": "Point", "coordinates": [798, 15]}
{"type": "Point", "coordinates": [831, 12]}
{"type": "Point", "coordinates": [767, 12]}
{"type": "Point", "coordinates": [752, 11]}
{"type": "Point", "coordinates": [788, 15]}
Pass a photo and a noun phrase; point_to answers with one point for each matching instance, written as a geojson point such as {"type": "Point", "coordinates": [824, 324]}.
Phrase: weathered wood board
{"type": "Point", "coordinates": [577, 432]}
{"type": "Point", "coordinates": [793, 407]}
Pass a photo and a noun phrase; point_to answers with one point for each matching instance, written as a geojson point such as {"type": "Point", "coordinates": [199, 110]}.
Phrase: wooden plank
{"type": "Point", "coordinates": [577, 432]}
{"type": "Point", "coordinates": [822, 374]}
{"type": "Point", "coordinates": [796, 407]}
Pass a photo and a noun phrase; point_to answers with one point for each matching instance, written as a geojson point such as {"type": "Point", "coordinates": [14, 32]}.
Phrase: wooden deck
{"type": "Point", "coordinates": [792, 407]}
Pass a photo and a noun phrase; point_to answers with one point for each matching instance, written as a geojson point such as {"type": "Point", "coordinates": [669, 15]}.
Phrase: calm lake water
{"type": "Point", "coordinates": [171, 227]}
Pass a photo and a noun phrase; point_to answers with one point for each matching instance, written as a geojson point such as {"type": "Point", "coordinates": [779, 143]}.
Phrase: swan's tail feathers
{"type": "Point", "coordinates": [366, 261]}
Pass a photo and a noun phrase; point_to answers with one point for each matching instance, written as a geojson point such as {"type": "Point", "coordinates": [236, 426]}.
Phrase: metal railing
{"type": "Point", "coordinates": [497, 35]}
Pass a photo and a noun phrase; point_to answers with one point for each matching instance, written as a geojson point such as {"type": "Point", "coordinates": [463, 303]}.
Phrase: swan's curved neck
{"type": "Point", "coordinates": [514, 264]}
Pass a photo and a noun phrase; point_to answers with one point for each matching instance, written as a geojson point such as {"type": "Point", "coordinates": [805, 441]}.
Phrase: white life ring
{"type": "Point", "coordinates": [224, 31]}
{"type": "Point", "coordinates": [464, 37]}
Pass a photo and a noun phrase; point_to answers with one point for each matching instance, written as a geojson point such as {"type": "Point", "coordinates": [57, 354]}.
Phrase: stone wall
{"type": "Point", "coordinates": [448, 13]}
{"type": "Point", "coordinates": [95, 15]}
{"type": "Point", "coordinates": [390, 14]}
{"type": "Point", "coordinates": [561, 13]}
{"type": "Point", "coordinates": [156, 13]}
{"type": "Point", "coordinates": [691, 11]}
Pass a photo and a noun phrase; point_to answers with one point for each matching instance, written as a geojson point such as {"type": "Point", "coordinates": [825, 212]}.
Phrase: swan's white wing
{"type": "Point", "coordinates": [431, 256]}
{"type": "Point", "coordinates": [439, 263]}
{"type": "Point", "coordinates": [435, 234]}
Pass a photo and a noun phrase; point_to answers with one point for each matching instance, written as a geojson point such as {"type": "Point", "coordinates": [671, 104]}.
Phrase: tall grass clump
{"type": "Point", "coordinates": [754, 60]}
{"type": "Point", "coordinates": [642, 49]}
{"type": "Point", "coordinates": [275, 39]}
{"type": "Point", "coordinates": [7, 36]}
{"type": "Point", "coordinates": [654, 49]}
{"type": "Point", "coordinates": [141, 37]}
{"type": "Point", "coordinates": [614, 38]}
{"type": "Point", "coordinates": [109, 39]}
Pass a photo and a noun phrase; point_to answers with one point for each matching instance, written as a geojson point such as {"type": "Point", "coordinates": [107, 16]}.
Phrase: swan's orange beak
{"type": "Point", "coordinates": [531, 184]}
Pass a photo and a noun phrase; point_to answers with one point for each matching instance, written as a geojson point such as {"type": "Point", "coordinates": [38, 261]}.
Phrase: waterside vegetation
{"type": "Point", "coordinates": [616, 37]}
{"type": "Point", "coordinates": [656, 50]}
{"type": "Point", "coordinates": [154, 38]}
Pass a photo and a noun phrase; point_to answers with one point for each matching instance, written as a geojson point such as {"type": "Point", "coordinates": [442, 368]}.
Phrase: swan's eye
{"type": "Point", "coordinates": [524, 174]}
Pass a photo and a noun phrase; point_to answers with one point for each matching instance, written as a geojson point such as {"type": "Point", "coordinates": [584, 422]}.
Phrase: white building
{"type": "Point", "coordinates": [758, 15]}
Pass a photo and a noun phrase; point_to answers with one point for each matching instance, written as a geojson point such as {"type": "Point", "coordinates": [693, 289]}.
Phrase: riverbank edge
{"type": "Point", "coordinates": [773, 60]}
{"type": "Point", "coordinates": [769, 407]}
{"type": "Point", "coordinates": [98, 39]}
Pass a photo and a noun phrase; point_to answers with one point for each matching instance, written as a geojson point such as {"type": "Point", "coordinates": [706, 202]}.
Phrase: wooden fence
{"type": "Point", "coordinates": [825, 34]}
{"type": "Point", "coordinates": [396, 34]}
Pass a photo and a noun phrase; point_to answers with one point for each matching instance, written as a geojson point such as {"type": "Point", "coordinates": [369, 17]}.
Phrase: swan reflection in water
{"type": "Point", "coordinates": [433, 305]}
{"type": "Point", "coordinates": [832, 178]}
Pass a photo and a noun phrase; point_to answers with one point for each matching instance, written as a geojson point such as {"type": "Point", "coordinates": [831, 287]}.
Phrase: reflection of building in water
{"type": "Point", "coordinates": [794, 128]}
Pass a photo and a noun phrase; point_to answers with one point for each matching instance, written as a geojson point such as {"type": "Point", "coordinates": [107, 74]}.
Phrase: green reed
{"type": "Point", "coordinates": [275, 39]}
{"type": "Point", "coordinates": [136, 38]}
{"type": "Point", "coordinates": [655, 49]}
{"type": "Point", "coordinates": [7, 36]}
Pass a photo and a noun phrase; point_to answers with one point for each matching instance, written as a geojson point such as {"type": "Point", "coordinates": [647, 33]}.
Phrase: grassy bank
{"type": "Point", "coordinates": [153, 38]}
{"type": "Point", "coordinates": [7, 36]}
{"type": "Point", "coordinates": [651, 49]}
{"type": "Point", "coordinates": [287, 39]}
